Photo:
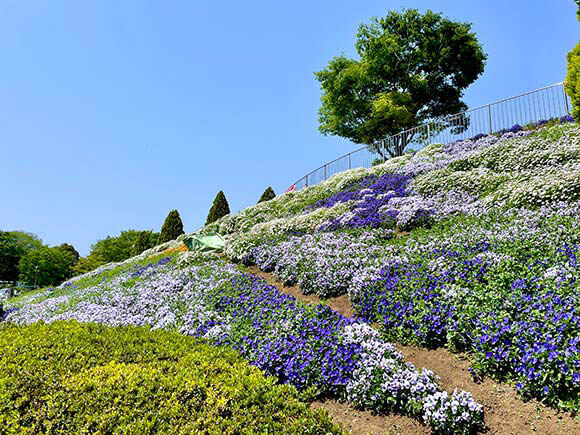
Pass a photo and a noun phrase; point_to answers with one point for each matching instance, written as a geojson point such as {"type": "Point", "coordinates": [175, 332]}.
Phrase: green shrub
{"type": "Point", "coordinates": [573, 80]}
{"type": "Point", "coordinates": [69, 377]}
{"type": "Point", "coordinates": [172, 227]}
{"type": "Point", "coordinates": [219, 208]}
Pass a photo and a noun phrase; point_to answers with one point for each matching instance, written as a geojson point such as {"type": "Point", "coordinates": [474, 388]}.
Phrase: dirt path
{"type": "Point", "coordinates": [505, 412]}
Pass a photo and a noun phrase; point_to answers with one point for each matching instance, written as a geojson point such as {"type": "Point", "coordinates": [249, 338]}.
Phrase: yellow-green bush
{"type": "Point", "coordinates": [77, 378]}
{"type": "Point", "coordinates": [573, 80]}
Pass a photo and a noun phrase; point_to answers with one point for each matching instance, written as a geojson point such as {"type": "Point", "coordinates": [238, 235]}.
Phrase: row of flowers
{"type": "Point", "coordinates": [518, 168]}
{"type": "Point", "coordinates": [312, 348]}
{"type": "Point", "coordinates": [503, 285]}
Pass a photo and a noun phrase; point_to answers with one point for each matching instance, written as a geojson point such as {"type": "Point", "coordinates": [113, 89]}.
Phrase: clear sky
{"type": "Point", "coordinates": [112, 113]}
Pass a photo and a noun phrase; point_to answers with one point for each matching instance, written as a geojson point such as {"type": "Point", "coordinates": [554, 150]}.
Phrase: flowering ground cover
{"type": "Point", "coordinates": [518, 169]}
{"type": "Point", "coordinates": [493, 270]}
{"type": "Point", "coordinates": [503, 286]}
{"type": "Point", "coordinates": [471, 245]}
{"type": "Point", "coordinates": [315, 349]}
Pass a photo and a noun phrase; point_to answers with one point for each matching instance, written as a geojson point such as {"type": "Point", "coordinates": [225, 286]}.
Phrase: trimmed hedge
{"type": "Point", "coordinates": [69, 377]}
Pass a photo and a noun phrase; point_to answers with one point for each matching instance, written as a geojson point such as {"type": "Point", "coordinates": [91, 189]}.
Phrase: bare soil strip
{"type": "Point", "coordinates": [505, 412]}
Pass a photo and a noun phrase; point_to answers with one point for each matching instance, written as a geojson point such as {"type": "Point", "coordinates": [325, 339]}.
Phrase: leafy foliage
{"type": "Point", "coordinates": [219, 208]}
{"type": "Point", "coordinates": [115, 249]}
{"type": "Point", "coordinates": [45, 266]}
{"type": "Point", "coordinates": [74, 255]}
{"type": "Point", "coordinates": [86, 264]}
{"type": "Point", "coordinates": [87, 378]}
{"type": "Point", "coordinates": [412, 67]}
{"type": "Point", "coordinates": [146, 240]}
{"type": "Point", "coordinates": [172, 227]}
{"type": "Point", "coordinates": [14, 245]}
{"type": "Point", "coordinates": [71, 250]}
{"type": "Point", "coordinates": [267, 195]}
{"type": "Point", "coordinates": [572, 84]}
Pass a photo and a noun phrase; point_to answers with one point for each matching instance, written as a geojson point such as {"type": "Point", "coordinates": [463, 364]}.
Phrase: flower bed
{"type": "Point", "coordinates": [312, 348]}
{"type": "Point", "coordinates": [503, 286]}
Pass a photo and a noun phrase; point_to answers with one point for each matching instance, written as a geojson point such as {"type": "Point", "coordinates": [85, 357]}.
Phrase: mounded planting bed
{"type": "Point", "coordinates": [68, 377]}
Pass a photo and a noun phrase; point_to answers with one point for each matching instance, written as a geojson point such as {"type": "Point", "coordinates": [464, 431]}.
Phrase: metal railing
{"type": "Point", "coordinates": [540, 104]}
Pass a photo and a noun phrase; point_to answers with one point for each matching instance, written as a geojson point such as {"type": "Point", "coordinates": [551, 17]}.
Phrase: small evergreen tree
{"type": "Point", "coordinates": [172, 227]}
{"type": "Point", "coordinates": [219, 208]}
{"type": "Point", "coordinates": [267, 195]}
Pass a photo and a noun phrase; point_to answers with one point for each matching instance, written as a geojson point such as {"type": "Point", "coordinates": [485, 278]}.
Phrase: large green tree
{"type": "Point", "coordinates": [412, 67]}
{"type": "Point", "coordinates": [45, 266]}
{"type": "Point", "coordinates": [13, 246]}
{"type": "Point", "coordinates": [219, 208]}
{"type": "Point", "coordinates": [71, 250]}
{"type": "Point", "coordinates": [172, 227]}
{"type": "Point", "coordinates": [74, 256]}
{"type": "Point", "coordinates": [115, 249]}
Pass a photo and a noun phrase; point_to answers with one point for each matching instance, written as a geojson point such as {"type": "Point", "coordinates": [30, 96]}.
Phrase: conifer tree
{"type": "Point", "coordinates": [219, 208]}
{"type": "Point", "coordinates": [172, 227]}
{"type": "Point", "coordinates": [267, 195]}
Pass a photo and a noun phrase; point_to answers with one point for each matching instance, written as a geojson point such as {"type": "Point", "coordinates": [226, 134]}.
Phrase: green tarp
{"type": "Point", "coordinates": [210, 242]}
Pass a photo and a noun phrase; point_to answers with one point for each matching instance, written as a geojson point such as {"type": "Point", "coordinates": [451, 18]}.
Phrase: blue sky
{"type": "Point", "coordinates": [113, 113]}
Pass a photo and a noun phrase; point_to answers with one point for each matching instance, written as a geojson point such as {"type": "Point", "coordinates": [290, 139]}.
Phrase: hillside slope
{"type": "Point", "coordinates": [489, 265]}
{"type": "Point", "coordinates": [470, 245]}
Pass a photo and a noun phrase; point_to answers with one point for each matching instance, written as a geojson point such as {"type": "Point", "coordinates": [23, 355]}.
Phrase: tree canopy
{"type": "Point", "coordinates": [115, 249]}
{"type": "Point", "coordinates": [146, 240]}
{"type": "Point", "coordinates": [413, 67]}
{"type": "Point", "coordinates": [87, 264]}
{"type": "Point", "coordinates": [219, 208]}
{"type": "Point", "coordinates": [172, 227]}
{"type": "Point", "coordinates": [13, 246]}
{"type": "Point", "coordinates": [45, 266]}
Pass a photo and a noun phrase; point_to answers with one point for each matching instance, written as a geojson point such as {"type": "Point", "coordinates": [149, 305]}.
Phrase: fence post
{"type": "Point", "coordinates": [349, 163]}
{"type": "Point", "coordinates": [306, 183]}
{"type": "Point", "coordinates": [566, 100]}
{"type": "Point", "coordinates": [428, 133]}
{"type": "Point", "coordinates": [325, 172]}
{"type": "Point", "coordinates": [489, 117]}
